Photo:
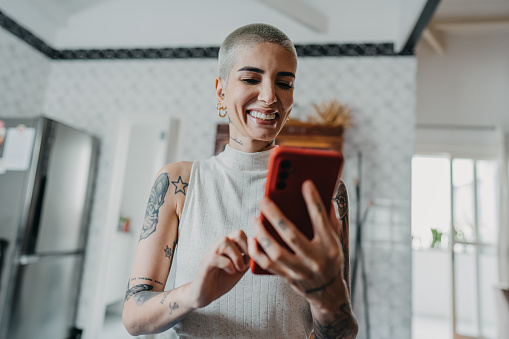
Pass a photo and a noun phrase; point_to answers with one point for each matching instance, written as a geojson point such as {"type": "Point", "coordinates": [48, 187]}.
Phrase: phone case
{"type": "Point", "coordinates": [289, 167]}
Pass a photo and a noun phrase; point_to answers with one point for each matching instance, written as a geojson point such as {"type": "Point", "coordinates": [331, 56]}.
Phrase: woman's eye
{"type": "Point", "coordinates": [251, 81]}
{"type": "Point", "coordinates": [284, 85]}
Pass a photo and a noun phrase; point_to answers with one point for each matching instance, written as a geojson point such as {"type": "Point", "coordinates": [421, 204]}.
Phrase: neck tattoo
{"type": "Point", "coordinates": [237, 141]}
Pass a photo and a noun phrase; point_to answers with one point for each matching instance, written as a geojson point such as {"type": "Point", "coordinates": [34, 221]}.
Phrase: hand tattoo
{"type": "Point", "coordinates": [265, 242]}
{"type": "Point", "coordinates": [282, 225]}
{"type": "Point", "coordinates": [341, 200]}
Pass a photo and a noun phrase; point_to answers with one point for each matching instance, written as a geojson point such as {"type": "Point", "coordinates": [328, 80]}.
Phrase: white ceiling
{"type": "Point", "coordinates": [170, 23]}
{"type": "Point", "coordinates": [472, 9]}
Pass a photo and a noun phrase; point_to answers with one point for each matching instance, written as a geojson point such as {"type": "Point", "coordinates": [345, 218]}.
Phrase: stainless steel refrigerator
{"type": "Point", "coordinates": [46, 181]}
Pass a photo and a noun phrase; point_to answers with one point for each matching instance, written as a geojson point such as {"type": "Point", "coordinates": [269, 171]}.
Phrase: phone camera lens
{"type": "Point", "coordinates": [285, 164]}
{"type": "Point", "coordinates": [282, 175]}
{"type": "Point", "coordinates": [281, 185]}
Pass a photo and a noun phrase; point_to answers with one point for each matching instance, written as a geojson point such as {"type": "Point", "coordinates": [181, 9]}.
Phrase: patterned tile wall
{"type": "Point", "coordinates": [95, 94]}
{"type": "Point", "coordinates": [23, 77]}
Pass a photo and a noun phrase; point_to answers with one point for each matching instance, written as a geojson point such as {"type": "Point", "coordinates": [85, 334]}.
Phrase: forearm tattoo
{"type": "Point", "coordinates": [343, 326]}
{"type": "Point", "coordinates": [136, 289]}
{"type": "Point", "coordinates": [341, 200]}
{"type": "Point", "coordinates": [155, 202]}
{"type": "Point", "coordinates": [144, 296]}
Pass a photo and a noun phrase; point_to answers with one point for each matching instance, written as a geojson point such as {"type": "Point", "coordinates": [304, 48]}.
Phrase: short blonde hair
{"type": "Point", "coordinates": [247, 36]}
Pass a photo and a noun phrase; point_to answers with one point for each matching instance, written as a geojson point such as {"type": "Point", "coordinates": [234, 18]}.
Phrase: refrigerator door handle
{"type": "Point", "coordinates": [28, 259]}
{"type": "Point", "coordinates": [36, 219]}
{"type": "Point", "coordinates": [3, 247]}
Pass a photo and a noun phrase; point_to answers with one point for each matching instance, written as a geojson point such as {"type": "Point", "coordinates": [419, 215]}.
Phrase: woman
{"type": "Point", "coordinates": [205, 207]}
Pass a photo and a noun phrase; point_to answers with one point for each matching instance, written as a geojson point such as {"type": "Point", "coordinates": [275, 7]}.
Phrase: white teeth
{"type": "Point", "coordinates": [262, 116]}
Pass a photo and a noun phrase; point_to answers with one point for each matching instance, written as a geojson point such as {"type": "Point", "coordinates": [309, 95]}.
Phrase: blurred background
{"type": "Point", "coordinates": [425, 83]}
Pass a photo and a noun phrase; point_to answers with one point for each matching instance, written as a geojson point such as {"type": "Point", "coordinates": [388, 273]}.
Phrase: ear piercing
{"type": "Point", "coordinates": [220, 108]}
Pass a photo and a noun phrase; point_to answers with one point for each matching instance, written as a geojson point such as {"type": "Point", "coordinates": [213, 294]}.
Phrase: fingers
{"type": "Point", "coordinates": [262, 259]}
{"type": "Point", "coordinates": [284, 227]}
{"type": "Point", "coordinates": [320, 219]}
{"type": "Point", "coordinates": [271, 255]}
{"type": "Point", "coordinates": [231, 252]}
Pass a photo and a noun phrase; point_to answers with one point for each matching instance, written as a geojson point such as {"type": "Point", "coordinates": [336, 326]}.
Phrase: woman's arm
{"type": "Point", "coordinates": [340, 323]}
{"type": "Point", "coordinates": [147, 307]}
{"type": "Point", "coordinates": [316, 269]}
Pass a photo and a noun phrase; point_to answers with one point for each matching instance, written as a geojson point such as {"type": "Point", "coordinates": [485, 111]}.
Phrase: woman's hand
{"type": "Point", "coordinates": [222, 266]}
{"type": "Point", "coordinates": [316, 264]}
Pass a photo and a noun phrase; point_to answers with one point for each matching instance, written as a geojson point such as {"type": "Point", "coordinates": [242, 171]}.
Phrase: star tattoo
{"type": "Point", "coordinates": [167, 252]}
{"type": "Point", "coordinates": [180, 186]}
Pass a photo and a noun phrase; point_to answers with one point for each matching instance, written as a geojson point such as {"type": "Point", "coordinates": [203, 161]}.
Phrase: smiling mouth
{"type": "Point", "coordinates": [263, 116]}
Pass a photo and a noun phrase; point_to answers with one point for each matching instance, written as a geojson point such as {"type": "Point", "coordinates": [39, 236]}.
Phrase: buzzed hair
{"type": "Point", "coordinates": [247, 36]}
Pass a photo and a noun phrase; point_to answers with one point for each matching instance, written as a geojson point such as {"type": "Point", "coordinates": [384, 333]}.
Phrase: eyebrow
{"type": "Point", "coordinates": [261, 71]}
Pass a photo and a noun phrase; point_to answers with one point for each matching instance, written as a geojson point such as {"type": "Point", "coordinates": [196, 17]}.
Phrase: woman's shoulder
{"type": "Point", "coordinates": [178, 174]}
{"type": "Point", "coordinates": [176, 169]}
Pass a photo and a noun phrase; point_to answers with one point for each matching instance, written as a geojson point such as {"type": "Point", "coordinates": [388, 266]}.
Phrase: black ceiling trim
{"type": "Point", "coordinates": [312, 50]}
{"type": "Point", "coordinates": [24, 34]}
{"type": "Point", "coordinates": [422, 23]}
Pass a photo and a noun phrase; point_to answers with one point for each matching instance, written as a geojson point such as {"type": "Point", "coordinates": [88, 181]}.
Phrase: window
{"type": "Point", "coordinates": [455, 227]}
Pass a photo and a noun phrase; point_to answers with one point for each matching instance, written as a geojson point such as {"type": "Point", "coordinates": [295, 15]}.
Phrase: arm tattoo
{"type": "Point", "coordinates": [237, 141]}
{"type": "Point", "coordinates": [170, 252]}
{"type": "Point", "coordinates": [343, 326]}
{"type": "Point", "coordinates": [155, 202]}
{"type": "Point", "coordinates": [136, 289]}
{"type": "Point", "coordinates": [144, 296]}
{"type": "Point", "coordinates": [321, 288]}
{"type": "Point", "coordinates": [173, 307]}
{"type": "Point", "coordinates": [164, 297]}
{"type": "Point", "coordinates": [180, 186]}
{"type": "Point", "coordinates": [341, 200]}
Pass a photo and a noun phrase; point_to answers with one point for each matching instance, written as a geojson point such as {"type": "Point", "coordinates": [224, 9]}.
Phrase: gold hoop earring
{"type": "Point", "coordinates": [220, 108]}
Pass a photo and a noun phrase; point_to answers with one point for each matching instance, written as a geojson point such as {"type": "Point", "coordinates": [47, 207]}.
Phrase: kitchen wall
{"type": "Point", "coordinates": [469, 83]}
{"type": "Point", "coordinates": [23, 77]}
{"type": "Point", "coordinates": [96, 95]}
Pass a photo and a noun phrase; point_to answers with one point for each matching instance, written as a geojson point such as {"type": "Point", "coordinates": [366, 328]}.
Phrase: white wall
{"type": "Point", "coordinates": [23, 77]}
{"type": "Point", "coordinates": [469, 84]}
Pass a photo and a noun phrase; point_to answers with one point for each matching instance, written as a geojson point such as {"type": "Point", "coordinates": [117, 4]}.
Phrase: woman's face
{"type": "Point", "coordinates": [259, 92]}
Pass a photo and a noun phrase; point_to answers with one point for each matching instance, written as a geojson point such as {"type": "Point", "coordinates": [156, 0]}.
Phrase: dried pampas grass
{"type": "Point", "coordinates": [331, 113]}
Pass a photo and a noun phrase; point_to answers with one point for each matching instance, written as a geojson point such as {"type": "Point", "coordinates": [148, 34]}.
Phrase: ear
{"type": "Point", "coordinates": [220, 89]}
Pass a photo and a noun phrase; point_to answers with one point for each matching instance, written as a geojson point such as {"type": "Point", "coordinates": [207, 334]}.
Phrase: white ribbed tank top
{"type": "Point", "coordinates": [222, 196]}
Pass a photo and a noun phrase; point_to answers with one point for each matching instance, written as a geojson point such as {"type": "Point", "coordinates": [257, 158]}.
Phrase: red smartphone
{"type": "Point", "coordinates": [289, 167]}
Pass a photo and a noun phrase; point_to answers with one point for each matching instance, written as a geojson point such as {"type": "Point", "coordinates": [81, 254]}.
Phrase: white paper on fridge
{"type": "Point", "coordinates": [18, 146]}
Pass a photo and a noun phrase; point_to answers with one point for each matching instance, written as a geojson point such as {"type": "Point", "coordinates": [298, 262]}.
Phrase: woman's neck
{"type": "Point", "coordinates": [250, 146]}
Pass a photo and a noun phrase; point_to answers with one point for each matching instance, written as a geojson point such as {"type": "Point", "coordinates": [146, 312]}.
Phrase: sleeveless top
{"type": "Point", "coordinates": [223, 196]}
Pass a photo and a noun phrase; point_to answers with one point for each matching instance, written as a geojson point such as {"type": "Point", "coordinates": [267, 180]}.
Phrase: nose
{"type": "Point", "coordinates": [267, 94]}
